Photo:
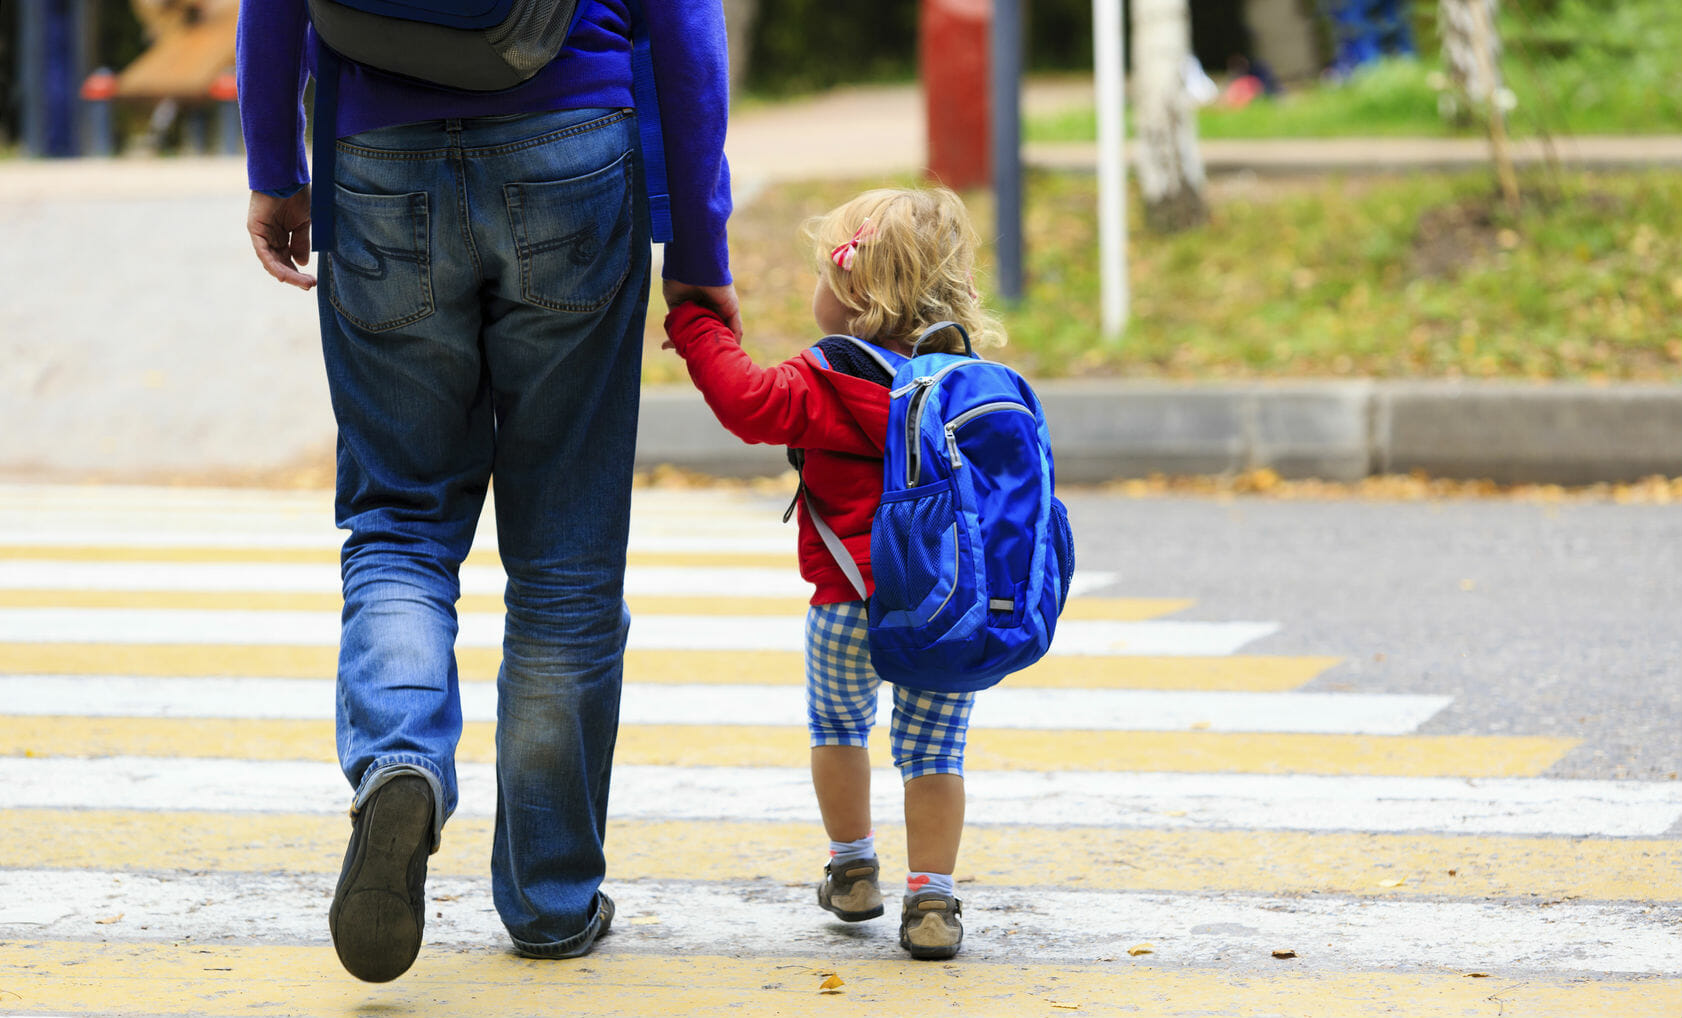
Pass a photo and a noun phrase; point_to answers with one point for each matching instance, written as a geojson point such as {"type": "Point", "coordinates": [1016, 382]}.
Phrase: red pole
{"type": "Point", "coordinates": [953, 47]}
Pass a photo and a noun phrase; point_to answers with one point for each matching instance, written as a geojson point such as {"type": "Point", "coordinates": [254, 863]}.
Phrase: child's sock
{"type": "Point", "coordinates": [916, 883]}
{"type": "Point", "coordinates": [843, 852]}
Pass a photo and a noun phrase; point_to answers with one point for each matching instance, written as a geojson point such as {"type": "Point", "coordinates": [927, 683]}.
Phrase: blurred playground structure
{"type": "Point", "coordinates": [67, 99]}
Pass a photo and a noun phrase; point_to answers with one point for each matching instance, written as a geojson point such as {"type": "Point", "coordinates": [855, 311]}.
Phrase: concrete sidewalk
{"type": "Point", "coordinates": [139, 341]}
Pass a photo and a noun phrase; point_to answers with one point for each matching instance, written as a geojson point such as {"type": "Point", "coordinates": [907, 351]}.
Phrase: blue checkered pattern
{"type": "Point", "coordinates": [927, 730]}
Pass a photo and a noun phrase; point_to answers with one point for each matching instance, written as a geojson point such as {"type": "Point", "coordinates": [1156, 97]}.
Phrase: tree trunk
{"type": "Point", "coordinates": [1471, 51]}
{"type": "Point", "coordinates": [1457, 24]}
{"type": "Point", "coordinates": [1170, 166]}
{"type": "Point", "coordinates": [739, 17]}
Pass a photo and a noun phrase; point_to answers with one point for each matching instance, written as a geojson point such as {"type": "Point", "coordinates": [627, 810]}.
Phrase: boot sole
{"type": "Point", "coordinates": [931, 953]}
{"type": "Point", "coordinates": [844, 915]}
{"type": "Point", "coordinates": [375, 923]}
{"type": "Point", "coordinates": [852, 917]}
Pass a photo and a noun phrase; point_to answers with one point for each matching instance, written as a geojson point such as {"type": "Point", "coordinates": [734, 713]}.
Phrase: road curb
{"type": "Point", "coordinates": [1506, 432]}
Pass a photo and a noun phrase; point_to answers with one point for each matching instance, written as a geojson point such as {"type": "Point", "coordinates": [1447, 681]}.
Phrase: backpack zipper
{"type": "Point", "coordinates": [919, 387]}
{"type": "Point", "coordinates": [964, 418]}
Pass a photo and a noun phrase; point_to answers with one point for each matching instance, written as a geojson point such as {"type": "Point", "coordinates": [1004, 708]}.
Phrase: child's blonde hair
{"type": "Point", "coordinates": [913, 266]}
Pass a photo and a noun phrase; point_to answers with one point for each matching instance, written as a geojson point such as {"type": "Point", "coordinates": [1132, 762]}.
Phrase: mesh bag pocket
{"type": "Point", "coordinates": [913, 553]}
{"type": "Point", "coordinates": [532, 35]}
{"type": "Point", "coordinates": [1062, 548]}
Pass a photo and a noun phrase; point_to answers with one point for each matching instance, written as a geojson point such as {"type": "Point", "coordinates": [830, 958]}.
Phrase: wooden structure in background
{"type": "Point", "coordinates": [192, 46]}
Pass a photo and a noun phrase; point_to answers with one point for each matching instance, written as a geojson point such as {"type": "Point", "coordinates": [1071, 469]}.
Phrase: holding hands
{"type": "Point", "coordinates": [721, 299]}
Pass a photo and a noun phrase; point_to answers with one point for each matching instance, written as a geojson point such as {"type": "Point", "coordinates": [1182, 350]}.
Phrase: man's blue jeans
{"type": "Point", "coordinates": [482, 316]}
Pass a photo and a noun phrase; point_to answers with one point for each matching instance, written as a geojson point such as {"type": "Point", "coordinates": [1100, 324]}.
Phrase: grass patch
{"type": "Point", "coordinates": [1581, 67]}
{"type": "Point", "coordinates": [1390, 99]}
{"type": "Point", "coordinates": [1422, 276]}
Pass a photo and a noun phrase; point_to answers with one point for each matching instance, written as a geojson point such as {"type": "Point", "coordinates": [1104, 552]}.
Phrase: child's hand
{"type": "Point", "coordinates": [721, 299]}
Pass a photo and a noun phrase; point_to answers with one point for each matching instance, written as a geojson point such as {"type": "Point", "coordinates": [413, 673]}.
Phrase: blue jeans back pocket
{"type": "Point", "coordinates": [381, 273]}
{"type": "Point", "coordinates": [573, 237]}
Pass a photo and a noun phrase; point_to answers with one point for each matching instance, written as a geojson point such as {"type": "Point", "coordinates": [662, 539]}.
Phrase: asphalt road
{"type": "Point", "coordinates": [1541, 619]}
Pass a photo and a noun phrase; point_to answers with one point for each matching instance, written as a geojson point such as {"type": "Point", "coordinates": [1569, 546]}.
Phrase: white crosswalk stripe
{"type": "Point", "coordinates": [1070, 798]}
{"type": "Point", "coordinates": [1003, 707]}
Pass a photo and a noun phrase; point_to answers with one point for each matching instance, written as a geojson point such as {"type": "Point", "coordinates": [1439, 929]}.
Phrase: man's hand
{"type": "Point", "coordinates": [280, 231]}
{"type": "Point", "coordinates": [721, 299]}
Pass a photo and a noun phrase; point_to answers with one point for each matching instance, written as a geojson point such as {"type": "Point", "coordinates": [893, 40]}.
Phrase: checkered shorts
{"type": "Point", "coordinates": [927, 730]}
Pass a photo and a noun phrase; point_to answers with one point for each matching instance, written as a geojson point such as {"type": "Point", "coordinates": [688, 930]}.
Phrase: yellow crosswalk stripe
{"type": "Point", "coordinates": [1235, 673]}
{"type": "Point", "coordinates": [199, 979]}
{"type": "Point", "coordinates": [1079, 858]}
{"type": "Point", "coordinates": [1114, 609]}
{"type": "Point", "coordinates": [1468, 756]}
{"type": "Point", "coordinates": [330, 555]}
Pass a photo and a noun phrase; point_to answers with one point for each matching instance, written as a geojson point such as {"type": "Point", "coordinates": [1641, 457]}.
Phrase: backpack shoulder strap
{"type": "Point", "coordinates": [324, 143]}
{"type": "Point", "coordinates": [850, 355]}
{"type": "Point", "coordinates": [838, 551]}
{"type": "Point", "coordinates": [648, 126]}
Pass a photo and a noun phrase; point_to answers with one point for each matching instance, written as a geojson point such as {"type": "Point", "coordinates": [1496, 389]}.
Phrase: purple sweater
{"type": "Point", "coordinates": [276, 50]}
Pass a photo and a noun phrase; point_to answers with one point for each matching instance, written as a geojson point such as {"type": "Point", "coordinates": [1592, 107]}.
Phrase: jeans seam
{"type": "Point", "coordinates": [393, 155]}
{"type": "Point", "coordinates": [597, 124]}
{"type": "Point", "coordinates": [458, 170]}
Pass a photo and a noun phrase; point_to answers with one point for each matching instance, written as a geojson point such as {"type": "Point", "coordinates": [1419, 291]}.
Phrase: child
{"type": "Point", "coordinates": [890, 263]}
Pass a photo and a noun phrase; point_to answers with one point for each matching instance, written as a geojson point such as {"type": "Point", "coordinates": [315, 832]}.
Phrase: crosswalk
{"type": "Point", "coordinates": [1160, 821]}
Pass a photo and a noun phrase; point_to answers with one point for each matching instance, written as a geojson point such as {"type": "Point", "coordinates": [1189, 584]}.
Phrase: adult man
{"type": "Point", "coordinates": [482, 310]}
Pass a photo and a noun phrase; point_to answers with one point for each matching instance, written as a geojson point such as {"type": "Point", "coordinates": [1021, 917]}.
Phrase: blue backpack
{"type": "Point", "coordinates": [469, 46]}
{"type": "Point", "coordinates": [971, 549]}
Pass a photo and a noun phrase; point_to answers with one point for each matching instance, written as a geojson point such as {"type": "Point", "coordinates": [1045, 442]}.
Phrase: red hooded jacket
{"type": "Point", "coordinates": [841, 421]}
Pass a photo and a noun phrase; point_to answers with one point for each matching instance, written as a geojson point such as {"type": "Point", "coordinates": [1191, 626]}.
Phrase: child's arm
{"type": "Point", "coordinates": [779, 405]}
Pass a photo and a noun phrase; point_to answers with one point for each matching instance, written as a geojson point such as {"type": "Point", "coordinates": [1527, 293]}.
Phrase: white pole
{"type": "Point", "coordinates": [1108, 47]}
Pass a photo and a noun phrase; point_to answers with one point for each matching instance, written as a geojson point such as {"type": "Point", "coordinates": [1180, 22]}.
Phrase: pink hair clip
{"type": "Point", "coordinates": [844, 254]}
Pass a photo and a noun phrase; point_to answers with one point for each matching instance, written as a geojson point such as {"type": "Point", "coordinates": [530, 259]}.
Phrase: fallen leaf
{"type": "Point", "coordinates": [1453, 873]}
{"type": "Point", "coordinates": [831, 985]}
{"type": "Point", "coordinates": [1393, 883]}
{"type": "Point", "coordinates": [1137, 949]}
{"type": "Point", "coordinates": [1477, 975]}
{"type": "Point", "coordinates": [1284, 952]}
{"type": "Point", "coordinates": [1066, 1007]}
{"type": "Point", "coordinates": [109, 920]}
{"type": "Point", "coordinates": [645, 920]}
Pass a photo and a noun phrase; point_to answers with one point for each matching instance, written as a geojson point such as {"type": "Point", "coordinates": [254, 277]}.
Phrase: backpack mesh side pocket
{"type": "Point", "coordinates": [1062, 546]}
{"type": "Point", "coordinates": [915, 556]}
